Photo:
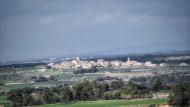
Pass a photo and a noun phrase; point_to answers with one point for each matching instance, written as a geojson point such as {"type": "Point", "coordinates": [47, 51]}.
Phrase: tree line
{"type": "Point", "coordinates": [83, 91]}
{"type": "Point", "coordinates": [179, 96]}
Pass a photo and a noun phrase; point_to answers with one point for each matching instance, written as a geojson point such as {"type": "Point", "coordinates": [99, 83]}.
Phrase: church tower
{"type": "Point", "coordinates": [128, 59]}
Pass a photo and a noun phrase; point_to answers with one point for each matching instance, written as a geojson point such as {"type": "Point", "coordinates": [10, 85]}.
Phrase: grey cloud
{"type": "Point", "coordinates": [36, 28]}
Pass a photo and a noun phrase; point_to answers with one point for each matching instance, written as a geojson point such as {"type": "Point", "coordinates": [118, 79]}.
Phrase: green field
{"type": "Point", "coordinates": [109, 103]}
{"type": "Point", "coordinates": [4, 101]}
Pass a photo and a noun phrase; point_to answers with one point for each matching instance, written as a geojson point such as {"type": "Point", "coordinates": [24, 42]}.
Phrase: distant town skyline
{"type": "Point", "coordinates": [42, 28]}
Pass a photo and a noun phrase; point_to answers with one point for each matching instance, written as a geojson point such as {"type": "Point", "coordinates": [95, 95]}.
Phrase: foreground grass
{"type": "Point", "coordinates": [4, 101]}
{"type": "Point", "coordinates": [109, 103]}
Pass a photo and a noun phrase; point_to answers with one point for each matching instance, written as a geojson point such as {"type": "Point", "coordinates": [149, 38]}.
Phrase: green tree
{"type": "Point", "coordinates": [180, 96]}
{"type": "Point", "coordinates": [51, 97]}
{"type": "Point", "coordinates": [66, 94]}
{"type": "Point", "coordinates": [157, 85]}
{"type": "Point", "coordinates": [115, 85]}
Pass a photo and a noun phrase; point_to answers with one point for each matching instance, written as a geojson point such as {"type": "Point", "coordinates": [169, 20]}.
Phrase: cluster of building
{"type": "Point", "coordinates": [81, 64]}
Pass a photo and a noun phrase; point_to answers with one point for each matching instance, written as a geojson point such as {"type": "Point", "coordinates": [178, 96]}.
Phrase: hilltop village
{"type": "Point", "coordinates": [81, 64]}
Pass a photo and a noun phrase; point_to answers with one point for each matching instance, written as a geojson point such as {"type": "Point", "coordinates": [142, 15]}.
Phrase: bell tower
{"type": "Point", "coordinates": [128, 59]}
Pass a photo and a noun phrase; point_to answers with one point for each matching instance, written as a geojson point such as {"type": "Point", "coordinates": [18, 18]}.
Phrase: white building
{"type": "Point", "coordinates": [115, 63]}
{"type": "Point", "coordinates": [149, 64]}
{"type": "Point", "coordinates": [183, 64]}
{"type": "Point", "coordinates": [131, 63]}
{"type": "Point", "coordinates": [162, 64]}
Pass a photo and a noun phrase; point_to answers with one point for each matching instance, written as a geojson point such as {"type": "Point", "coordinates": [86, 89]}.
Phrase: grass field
{"type": "Point", "coordinates": [109, 103]}
{"type": "Point", "coordinates": [4, 101]}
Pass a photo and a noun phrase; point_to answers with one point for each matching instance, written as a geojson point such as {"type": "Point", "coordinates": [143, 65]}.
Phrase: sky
{"type": "Point", "coordinates": [43, 28]}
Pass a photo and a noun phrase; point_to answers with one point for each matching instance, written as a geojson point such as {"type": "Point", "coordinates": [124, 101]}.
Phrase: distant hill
{"type": "Point", "coordinates": [144, 49]}
{"type": "Point", "coordinates": [149, 49]}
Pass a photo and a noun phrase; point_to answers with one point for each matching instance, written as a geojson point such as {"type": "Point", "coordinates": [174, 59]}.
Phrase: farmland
{"type": "Point", "coordinates": [4, 101]}
{"type": "Point", "coordinates": [110, 103]}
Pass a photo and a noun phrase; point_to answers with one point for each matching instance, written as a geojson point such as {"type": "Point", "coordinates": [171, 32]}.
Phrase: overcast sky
{"type": "Point", "coordinates": [41, 28]}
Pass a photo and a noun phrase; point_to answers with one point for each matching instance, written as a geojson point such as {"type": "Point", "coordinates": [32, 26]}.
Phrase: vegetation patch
{"type": "Point", "coordinates": [4, 101]}
{"type": "Point", "coordinates": [109, 103]}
